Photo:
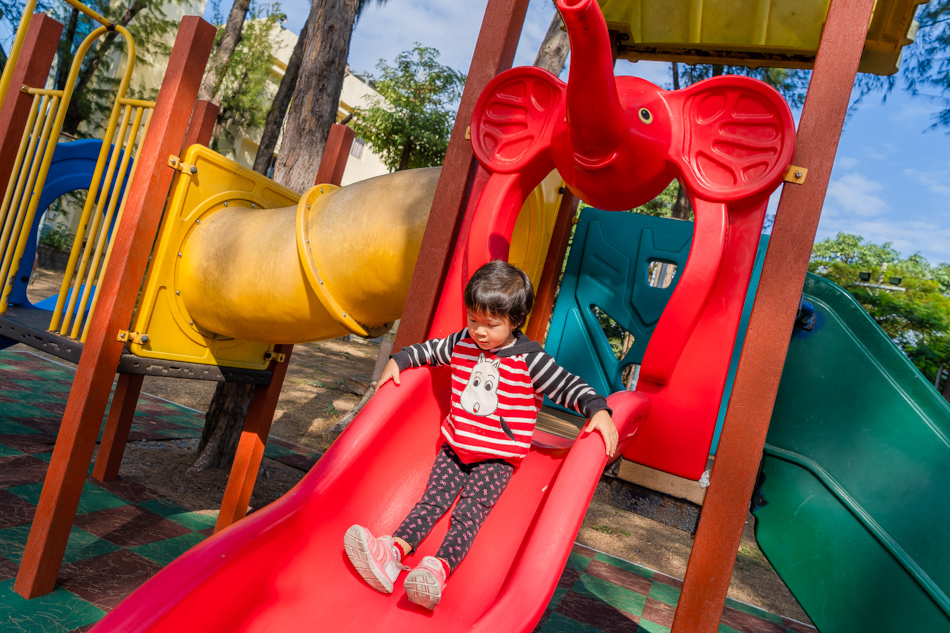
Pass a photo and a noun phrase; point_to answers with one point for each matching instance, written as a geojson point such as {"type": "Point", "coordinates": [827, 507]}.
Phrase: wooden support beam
{"type": "Point", "coordinates": [118, 424]}
{"type": "Point", "coordinates": [551, 273]}
{"type": "Point", "coordinates": [201, 126]}
{"type": "Point", "coordinates": [770, 326]}
{"type": "Point", "coordinates": [32, 69]}
{"type": "Point", "coordinates": [89, 396]}
{"type": "Point", "coordinates": [260, 414]}
{"type": "Point", "coordinates": [494, 52]}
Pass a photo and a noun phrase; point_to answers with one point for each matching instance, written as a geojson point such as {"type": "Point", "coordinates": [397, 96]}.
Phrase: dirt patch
{"type": "Point", "coordinates": [314, 398]}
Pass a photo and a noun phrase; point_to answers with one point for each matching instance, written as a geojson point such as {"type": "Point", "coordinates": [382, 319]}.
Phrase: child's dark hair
{"type": "Point", "coordinates": [501, 290]}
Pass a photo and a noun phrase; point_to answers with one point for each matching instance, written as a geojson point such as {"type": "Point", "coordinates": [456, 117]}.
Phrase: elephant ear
{"type": "Point", "coordinates": [737, 137]}
{"type": "Point", "coordinates": [514, 118]}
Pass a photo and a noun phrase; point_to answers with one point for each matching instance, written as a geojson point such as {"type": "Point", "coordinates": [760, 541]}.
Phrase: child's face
{"type": "Point", "coordinates": [489, 331]}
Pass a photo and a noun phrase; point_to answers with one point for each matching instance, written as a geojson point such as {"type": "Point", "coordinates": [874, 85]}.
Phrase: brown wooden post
{"type": "Point", "coordinates": [770, 326]}
{"type": "Point", "coordinates": [551, 273]}
{"type": "Point", "coordinates": [336, 151]}
{"type": "Point", "coordinates": [260, 413]}
{"type": "Point", "coordinates": [494, 52]}
{"type": "Point", "coordinates": [32, 69]}
{"type": "Point", "coordinates": [115, 435]}
{"type": "Point", "coordinates": [201, 127]}
{"type": "Point", "coordinates": [118, 424]}
{"type": "Point", "coordinates": [100, 357]}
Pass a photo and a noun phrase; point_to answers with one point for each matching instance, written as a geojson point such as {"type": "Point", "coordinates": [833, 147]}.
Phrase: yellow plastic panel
{"type": "Point", "coordinates": [535, 224]}
{"type": "Point", "coordinates": [172, 335]}
{"type": "Point", "coordinates": [777, 33]}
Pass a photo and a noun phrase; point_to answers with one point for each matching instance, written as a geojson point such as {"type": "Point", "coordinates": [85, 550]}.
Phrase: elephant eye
{"type": "Point", "coordinates": [475, 382]}
{"type": "Point", "coordinates": [646, 116]}
{"type": "Point", "coordinates": [487, 386]}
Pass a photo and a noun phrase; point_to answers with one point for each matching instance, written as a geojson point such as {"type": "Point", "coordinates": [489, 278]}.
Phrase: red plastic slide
{"type": "Point", "coordinates": [283, 568]}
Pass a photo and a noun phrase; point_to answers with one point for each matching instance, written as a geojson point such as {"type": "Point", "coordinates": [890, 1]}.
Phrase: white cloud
{"type": "Point", "coordinates": [846, 162]}
{"type": "Point", "coordinates": [929, 238]}
{"type": "Point", "coordinates": [855, 195]}
{"type": "Point", "coordinates": [935, 181]}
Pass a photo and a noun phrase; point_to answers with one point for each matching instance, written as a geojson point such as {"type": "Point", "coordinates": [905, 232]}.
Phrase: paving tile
{"type": "Point", "coordinates": [798, 627]}
{"type": "Point", "coordinates": [594, 613]}
{"type": "Point", "coordinates": [6, 451]}
{"type": "Point", "coordinates": [173, 512]}
{"type": "Point", "coordinates": [48, 426]}
{"type": "Point", "coordinates": [658, 612]}
{"type": "Point", "coordinates": [621, 577]}
{"type": "Point", "coordinates": [93, 497]}
{"type": "Point", "coordinates": [665, 593]}
{"type": "Point", "coordinates": [651, 627]}
{"type": "Point", "coordinates": [625, 565]}
{"type": "Point", "coordinates": [164, 552]}
{"type": "Point", "coordinates": [559, 623]}
{"type": "Point", "coordinates": [56, 409]}
{"type": "Point", "coordinates": [9, 427]}
{"type": "Point", "coordinates": [106, 580]}
{"type": "Point", "coordinates": [56, 611]}
{"type": "Point", "coordinates": [38, 393]}
{"type": "Point", "coordinates": [753, 611]}
{"type": "Point", "coordinates": [21, 410]}
{"type": "Point", "coordinates": [138, 435]}
{"type": "Point", "coordinates": [578, 562]}
{"type": "Point", "coordinates": [16, 471]}
{"type": "Point", "coordinates": [16, 511]}
{"type": "Point", "coordinates": [298, 461]}
{"type": "Point", "coordinates": [128, 490]}
{"type": "Point", "coordinates": [540, 624]}
{"type": "Point", "coordinates": [583, 551]}
{"type": "Point", "coordinates": [30, 443]}
{"type": "Point", "coordinates": [668, 580]}
{"type": "Point", "coordinates": [556, 597]}
{"type": "Point", "coordinates": [8, 569]}
{"type": "Point", "coordinates": [155, 423]}
{"type": "Point", "coordinates": [61, 387]}
{"type": "Point", "coordinates": [568, 577]}
{"type": "Point", "coordinates": [630, 602]}
{"type": "Point", "coordinates": [81, 544]}
{"type": "Point", "coordinates": [128, 526]}
{"type": "Point", "coordinates": [8, 382]}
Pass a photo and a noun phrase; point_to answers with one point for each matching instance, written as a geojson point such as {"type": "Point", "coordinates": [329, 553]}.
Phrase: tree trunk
{"type": "Point", "coordinates": [404, 157]}
{"type": "Point", "coordinates": [223, 424]}
{"type": "Point", "coordinates": [278, 109]}
{"type": "Point", "coordinates": [676, 76]}
{"type": "Point", "coordinates": [317, 95]}
{"type": "Point", "coordinates": [554, 49]}
{"type": "Point", "coordinates": [66, 52]}
{"type": "Point", "coordinates": [682, 208]}
{"type": "Point", "coordinates": [223, 51]}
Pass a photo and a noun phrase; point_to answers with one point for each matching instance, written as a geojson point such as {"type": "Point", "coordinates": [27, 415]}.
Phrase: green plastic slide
{"type": "Point", "coordinates": [854, 504]}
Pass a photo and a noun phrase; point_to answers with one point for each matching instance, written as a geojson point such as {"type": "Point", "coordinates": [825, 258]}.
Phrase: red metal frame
{"type": "Point", "coordinates": [770, 326]}
{"type": "Point", "coordinates": [32, 69]}
{"type": "Point", "coordinates": [89, 396]}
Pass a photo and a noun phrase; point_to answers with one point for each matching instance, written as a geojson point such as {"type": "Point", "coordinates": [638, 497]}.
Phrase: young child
{"type": "Point", "coordinates": [499, 378]}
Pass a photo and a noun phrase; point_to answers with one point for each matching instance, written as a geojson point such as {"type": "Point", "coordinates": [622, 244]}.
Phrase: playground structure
{"type": "Point", "coordinates": [304, 275]}
{"type": "Point", "coordinates": [728, 221]}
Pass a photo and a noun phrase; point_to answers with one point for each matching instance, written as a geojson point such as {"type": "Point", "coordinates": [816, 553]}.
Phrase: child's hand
{"type": "Point", "coordinates": [390, 371]}
{"type": "Point", "coordinates": [604, 424]}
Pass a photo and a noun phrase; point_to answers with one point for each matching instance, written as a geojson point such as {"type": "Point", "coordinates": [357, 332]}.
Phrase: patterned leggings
{"type": "Point", "coordinates": [480, 483]}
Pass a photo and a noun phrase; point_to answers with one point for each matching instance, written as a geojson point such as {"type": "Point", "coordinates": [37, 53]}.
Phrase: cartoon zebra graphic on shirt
{"type": "Point", "coordinates": [480, 396]}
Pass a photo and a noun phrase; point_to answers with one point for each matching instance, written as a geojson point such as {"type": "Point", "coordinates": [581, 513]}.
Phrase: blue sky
{"type": "Point", "coordinates": [891, 180]}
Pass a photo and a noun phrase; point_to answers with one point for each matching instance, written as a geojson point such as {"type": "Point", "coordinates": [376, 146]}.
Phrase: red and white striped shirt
{"type": "Point", "coordinates": [496, 394]}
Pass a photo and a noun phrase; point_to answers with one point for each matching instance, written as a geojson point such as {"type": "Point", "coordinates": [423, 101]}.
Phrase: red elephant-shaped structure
{"type": "Point", "coordinates": [617, 143]}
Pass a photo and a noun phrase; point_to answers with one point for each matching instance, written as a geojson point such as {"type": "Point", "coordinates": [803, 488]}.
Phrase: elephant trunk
{"type": "Point", "coordinates": [594, 114]}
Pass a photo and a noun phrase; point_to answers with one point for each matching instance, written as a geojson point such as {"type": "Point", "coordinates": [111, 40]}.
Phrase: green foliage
{"type": "Point", "coordinates": [918, 319]}
{"type": "Point", "coordinates": [56, 236]}
{"type": "Point", "coordinates": [791, 84]}
{"type": "Point", "coordinates": [244, 104]}
{"type": "Point", "coordinates": [662, 205]}
{"type": "Point", "coordinates": [409, 125]}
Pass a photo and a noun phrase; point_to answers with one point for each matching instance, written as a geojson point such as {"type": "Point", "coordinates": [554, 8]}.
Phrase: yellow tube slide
{"type": "Point", "coordinates": [238, 270]}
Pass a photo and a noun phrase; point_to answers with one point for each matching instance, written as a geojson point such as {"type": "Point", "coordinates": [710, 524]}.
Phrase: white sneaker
{"type": "Point", "coordinates": [425, 583]}
{"type": "Point", "coordinates": [376, 559]}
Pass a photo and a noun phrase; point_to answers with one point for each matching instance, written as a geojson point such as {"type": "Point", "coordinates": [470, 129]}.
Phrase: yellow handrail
{"type": "Point", "coordinates": [116, 193]}
{"type": "Point", "coordinates": [57, 321]}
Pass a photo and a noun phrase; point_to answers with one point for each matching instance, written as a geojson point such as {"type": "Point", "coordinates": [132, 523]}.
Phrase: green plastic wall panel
{"type": "Point", "coordinates": [857, 478]}
{"type": "Point", "coordinates": [608, 267]}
